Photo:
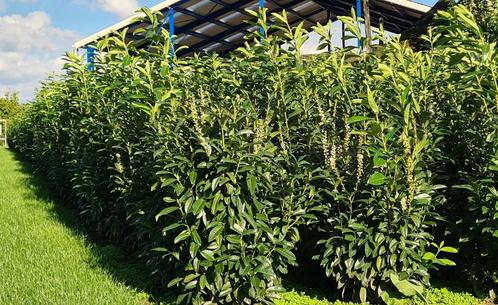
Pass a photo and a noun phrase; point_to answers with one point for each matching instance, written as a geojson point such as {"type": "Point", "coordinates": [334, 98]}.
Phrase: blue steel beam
{"type": "Point", "coordinates": [171, 17]}
{"type": "Point", "coordinates": [261, 6]}
{"type": "Point", "coordinates": [90, 58]}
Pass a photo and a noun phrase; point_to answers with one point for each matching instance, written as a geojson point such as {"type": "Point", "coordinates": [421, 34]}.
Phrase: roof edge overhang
{"type": "Point", "coordinates": [422, 8]}
{"type": "Point", "coordinates": [409, 5]}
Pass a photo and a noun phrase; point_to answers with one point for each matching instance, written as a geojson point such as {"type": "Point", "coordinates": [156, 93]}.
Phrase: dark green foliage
{"type": "Point", "coordinates": [486, 12]}
{"type": "Point", "coordinates": [376, 197]}
{"type": "Point", "coordinates": [209, 168]}
{"type": "Point", "coordinates": [184, 165]}
{"type": "Point", "coordinates": [469, 150]}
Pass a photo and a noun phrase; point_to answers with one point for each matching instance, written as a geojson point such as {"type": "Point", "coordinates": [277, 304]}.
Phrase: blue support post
{"type": "Point", "coordinates": [171, 17]}
{"type": "Point", "coordinates": [359, 12]}
{"type": "Point", "coordinates": [90, 58]}
{"type": "Point", "coordinates": [261, 30]}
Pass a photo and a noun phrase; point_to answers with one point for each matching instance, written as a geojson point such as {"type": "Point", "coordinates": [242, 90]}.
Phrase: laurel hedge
{"type": "Point", "coordinates": [210, 168]}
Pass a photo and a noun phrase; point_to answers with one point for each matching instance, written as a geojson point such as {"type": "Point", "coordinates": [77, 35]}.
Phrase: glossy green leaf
{"type": "Point", "coordinates": [377, 179]}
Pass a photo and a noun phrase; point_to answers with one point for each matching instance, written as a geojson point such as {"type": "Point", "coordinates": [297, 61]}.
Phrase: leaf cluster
{"type": "Point", "coordinates": [211, 168]}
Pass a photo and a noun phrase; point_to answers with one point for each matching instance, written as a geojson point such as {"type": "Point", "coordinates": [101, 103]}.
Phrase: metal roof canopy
{"type": "Point", "coordinates": [220, 25]}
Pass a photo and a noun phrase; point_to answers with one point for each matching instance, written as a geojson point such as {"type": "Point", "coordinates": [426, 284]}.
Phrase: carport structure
{"type": "Point", "coordinates": [220, 25]}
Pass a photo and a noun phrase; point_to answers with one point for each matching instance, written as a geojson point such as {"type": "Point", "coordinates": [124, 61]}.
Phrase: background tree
{"type": "Point", "coordinates": [9, 105]}
{"type": "Point", "coordinates": [486, 12]}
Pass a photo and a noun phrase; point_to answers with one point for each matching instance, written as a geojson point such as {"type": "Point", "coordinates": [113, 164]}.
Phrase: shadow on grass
{"type": "Point", "coordinates": [124, 266]}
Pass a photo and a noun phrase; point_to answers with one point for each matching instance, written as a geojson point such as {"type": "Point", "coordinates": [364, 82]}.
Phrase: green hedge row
{"type": "Point", "coordinates": [211, 168]}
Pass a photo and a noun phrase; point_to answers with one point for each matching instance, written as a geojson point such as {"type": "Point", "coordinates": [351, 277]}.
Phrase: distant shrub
{"type": "Point", "coordinates": [9, 105]}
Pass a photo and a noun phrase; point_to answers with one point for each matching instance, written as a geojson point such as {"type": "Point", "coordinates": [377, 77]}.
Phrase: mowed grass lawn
{"type": "Point", "coordinates": [43, 261]}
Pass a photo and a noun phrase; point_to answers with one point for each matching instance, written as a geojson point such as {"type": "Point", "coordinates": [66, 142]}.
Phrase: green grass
{"type": "Point", "coordinates": [42, 259]}
{"type": "Point", "coordinates": [46, 259]}
{"type": "Point", "coordinates": [437, 296]}
{"type": "Point", "coordinates": [441, 296]}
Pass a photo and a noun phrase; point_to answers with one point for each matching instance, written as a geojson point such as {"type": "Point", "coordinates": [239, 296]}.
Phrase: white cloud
{"type": "Point", "coordinates": [17, 67]}
{"type": "Point", "coordinates": [30, 48]}
{"type": "Point", "coordinates": [121, 8]}
{"type": "Point", "coordinates": [32, 32]}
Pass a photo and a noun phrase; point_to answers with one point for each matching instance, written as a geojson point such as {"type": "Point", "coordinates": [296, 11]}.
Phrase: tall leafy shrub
{"type": "Point", "coordinates": [468, 119]}
{"type": "Point", "coordinates": [377, 201]}
{"type": "Point", "coordinates": [210, 168]}
{"type": "Point", "coordinates": [229, 206]}
{"type": "Point", "coordinates": [181, 164]}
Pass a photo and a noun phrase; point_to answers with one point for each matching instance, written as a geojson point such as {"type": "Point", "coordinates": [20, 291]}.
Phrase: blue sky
{"type": "Point", "coordinates": [34, 34]}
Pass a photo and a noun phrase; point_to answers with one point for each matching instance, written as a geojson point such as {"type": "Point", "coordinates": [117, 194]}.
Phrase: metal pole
{"type": "Point", "coordinates": [368, 26]}
{"type": "Point", "coordinates": [90, 58]}
{"type": "Point", "coordinates": [381, 27]}
{"type": "Point", "coordinates": [343, 35]}
{"type": "Point", "coordinates": [3, 132]}
{"type": "Point", "coordinates": [171, 16]}
{"type": "Point", "coordinates": [261, 29]}
{"type": "Point", "coordinates": [358, 14]}
{"type": "Point", "coordinates": [329, 47]}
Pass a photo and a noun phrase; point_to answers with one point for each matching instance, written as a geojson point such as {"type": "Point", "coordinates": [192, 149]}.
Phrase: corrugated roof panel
{"type": "Point", "coordinates": [219, 25]}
